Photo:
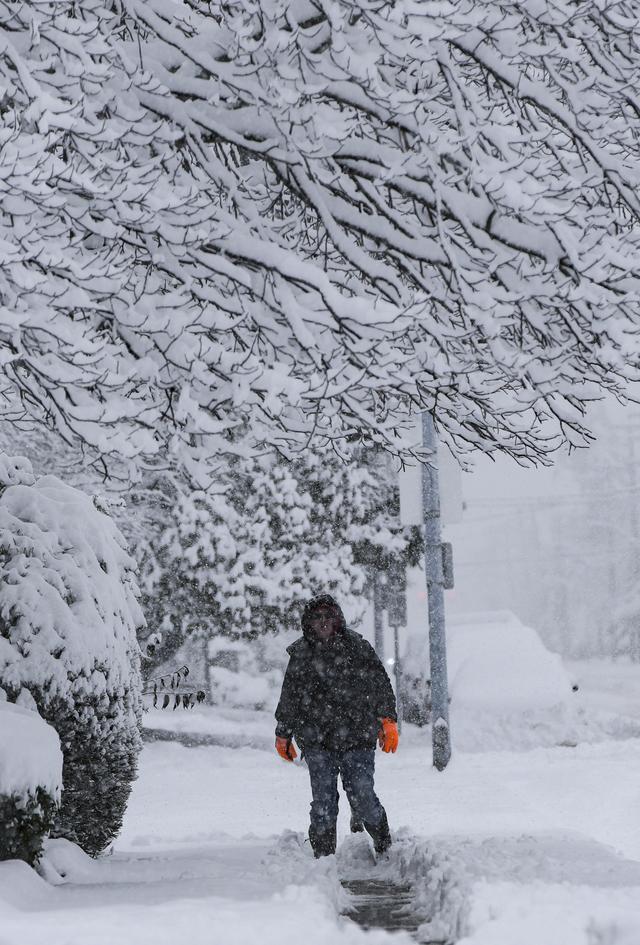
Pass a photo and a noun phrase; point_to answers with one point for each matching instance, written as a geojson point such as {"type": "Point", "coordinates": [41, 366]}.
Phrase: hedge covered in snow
{"type": "Point", "coordinates": [68, 620]}
{"type": "Point", "coordinates": [30, 781]}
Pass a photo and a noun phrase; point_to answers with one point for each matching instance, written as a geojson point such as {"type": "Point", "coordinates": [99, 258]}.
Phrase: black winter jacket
{"type": "Point", "coordinates": [333, 696]}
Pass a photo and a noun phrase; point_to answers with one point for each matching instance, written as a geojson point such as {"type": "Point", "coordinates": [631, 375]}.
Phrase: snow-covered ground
{"type": "Point", "coordinates": [538, 847]}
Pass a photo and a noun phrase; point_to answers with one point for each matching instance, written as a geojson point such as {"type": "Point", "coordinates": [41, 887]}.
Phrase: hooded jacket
{"type": "Point", "coordinates": [334, 694]}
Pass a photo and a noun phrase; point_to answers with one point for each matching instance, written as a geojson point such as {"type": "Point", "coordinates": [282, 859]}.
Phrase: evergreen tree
{"type": "Point", "coordinates": [242, 562]}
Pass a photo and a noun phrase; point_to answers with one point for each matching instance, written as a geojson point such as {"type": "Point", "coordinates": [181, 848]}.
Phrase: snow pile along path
{"type": "Point", "coordinates": [560, 889]}
{"type": "Point", "coordinates": [557, 889]}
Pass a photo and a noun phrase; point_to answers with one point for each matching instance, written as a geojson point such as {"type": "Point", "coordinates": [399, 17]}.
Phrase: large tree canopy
{"type": "Point", "coordinates": [305, 216]}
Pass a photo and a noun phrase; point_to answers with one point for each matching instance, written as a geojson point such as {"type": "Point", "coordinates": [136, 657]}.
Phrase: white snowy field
{"type": "Point", "coordinates": [538, 847]}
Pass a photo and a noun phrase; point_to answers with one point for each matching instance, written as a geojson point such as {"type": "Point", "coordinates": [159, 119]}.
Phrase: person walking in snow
{"type": "Point", "coordinates": [336, 700]}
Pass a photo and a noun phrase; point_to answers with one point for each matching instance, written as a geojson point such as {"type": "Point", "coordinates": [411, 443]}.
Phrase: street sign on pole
{"type": "Point", "coordinates": [410, 487]}
{"type": "Point", "coordinates": [447, 566]}
{"type": "Point", "coordinates": [450, 481]}
{"type": "Point", "coordinates": [396, 607]}
{"type": "Point", "coordinates": [433, 566]}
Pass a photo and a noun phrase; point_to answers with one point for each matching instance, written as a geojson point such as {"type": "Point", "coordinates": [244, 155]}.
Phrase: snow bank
{"type": "Point", "coordinates": [558, 888]}
{"type": "Point", "coordinates": [218, 725]}
{"type": "Point", "coordinates": [30, 755]}
{"type": "Point", "coordinates": [63, 861]}
{"type": "Point", "coordinates": [507, 690]}
{"type": "Point", "coordinates": [22, 889]}
{"type": "Point", "coordinates": [521, 889]}
{"type": "Point", "coordinates": [236, 892]}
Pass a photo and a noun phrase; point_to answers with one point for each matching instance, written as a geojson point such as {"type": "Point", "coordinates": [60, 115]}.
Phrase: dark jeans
{"type": "Point", "coordinates": [356, 768]}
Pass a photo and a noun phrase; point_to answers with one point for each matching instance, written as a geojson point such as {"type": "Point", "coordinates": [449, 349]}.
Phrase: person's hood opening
{"type": "Point", "coordinates": [321, 602]}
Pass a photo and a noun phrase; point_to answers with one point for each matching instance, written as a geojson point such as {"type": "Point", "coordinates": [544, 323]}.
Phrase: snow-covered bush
{"type": "Point", "coordinates": [30, 781]}
{"type": "Point", "coordinates": [68, 621]}
{"type": "Point", "coordinates": [240, 563]}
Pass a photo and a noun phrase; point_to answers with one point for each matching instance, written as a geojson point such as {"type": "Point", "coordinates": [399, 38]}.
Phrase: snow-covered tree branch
{"type": "Point", "coordinates": [312, 215]}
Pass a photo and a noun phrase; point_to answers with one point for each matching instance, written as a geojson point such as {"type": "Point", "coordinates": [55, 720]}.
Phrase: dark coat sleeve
{"type": "Point", "coordinates": [288, 708]}
{"type": "Point", "coordinates": [381, 686]}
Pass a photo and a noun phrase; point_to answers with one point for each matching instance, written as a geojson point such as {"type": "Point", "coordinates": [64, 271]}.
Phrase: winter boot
{"type": "Point", "coordinates": [323, 843]}
{"type": "Point", "coordinates": [356, 824]}
{"type": "Point", "coordinates": [380, 834]}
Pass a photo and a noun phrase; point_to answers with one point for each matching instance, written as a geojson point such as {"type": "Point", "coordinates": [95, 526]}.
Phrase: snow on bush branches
{"type": "Point", "coordinates": [66, 592]}
{"type": "Point", "coordinates": [242, 562]}
{"type": "Point", "coordinates": [30, 779]}
{"type": "Point", "coordinates": [30, 755]}
{"type": "Point", "coordinates": [306, 215]}
{"type": "Point", "coordinates": [68, 621]}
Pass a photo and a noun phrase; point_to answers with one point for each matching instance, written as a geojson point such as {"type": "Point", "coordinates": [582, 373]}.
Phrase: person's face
{"type": "Point", "coordinates": [325, 624]}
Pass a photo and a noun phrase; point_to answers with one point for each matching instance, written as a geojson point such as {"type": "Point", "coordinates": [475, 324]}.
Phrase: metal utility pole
{"type": "Point", "coordinates": [396, 600]}
{"type": "Point", "coordinates": [435, 595]}
{"type": "Point", "coordinates": [378, 617]}
{"type": "Point", "coordinates": [397, 669]}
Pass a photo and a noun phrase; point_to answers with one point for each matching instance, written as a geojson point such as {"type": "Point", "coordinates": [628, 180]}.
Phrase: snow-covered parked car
{"type": "Point", "coordinates": [507, 689]}
{"type": "Point", "coordinates": [30, 780]}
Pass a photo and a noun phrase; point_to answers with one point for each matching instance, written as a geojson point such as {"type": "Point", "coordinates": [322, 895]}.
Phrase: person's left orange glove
{"type": "Point", "coordinates": [286, 749]}
{"type": "Point", "coordinates": [388, 736]}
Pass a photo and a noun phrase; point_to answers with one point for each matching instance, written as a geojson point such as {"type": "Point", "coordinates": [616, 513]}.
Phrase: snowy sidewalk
{"type": "Point", "coordinates": [227, 891]}
{"type": "Point", "coordinates": [503, 848]}
{"type": "Point", "coordinates": [508, 846]}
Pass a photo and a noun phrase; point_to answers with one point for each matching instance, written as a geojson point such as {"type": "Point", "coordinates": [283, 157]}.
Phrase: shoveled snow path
{"type": "Point", "coordinates": [229, 892]}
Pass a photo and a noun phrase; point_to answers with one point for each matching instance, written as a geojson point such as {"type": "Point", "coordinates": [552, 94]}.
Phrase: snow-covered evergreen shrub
{"type": "Point", "coordinates": [30, 781]}
{"type": "Point", "coordinates": [239, 563]}
{"type": "Point", "coordinates": [68, 620]}
{"type": "Point", "coordinates": [24, 823]}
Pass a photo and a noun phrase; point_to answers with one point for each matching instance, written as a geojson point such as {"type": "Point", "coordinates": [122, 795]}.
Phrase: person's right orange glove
{"type": "Point", "coordinates": [388, 735]}
{"type": "Point", "coordinates": [286, 748]}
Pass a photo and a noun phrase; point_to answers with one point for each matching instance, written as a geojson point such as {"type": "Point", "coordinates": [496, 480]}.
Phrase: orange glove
{"type": "Point", "coordinates": [388, 735]}
{"type": "Point", "coordinates": [286, 749]}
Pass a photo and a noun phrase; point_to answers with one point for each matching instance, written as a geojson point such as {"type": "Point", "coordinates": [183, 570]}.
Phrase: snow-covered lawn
{"type": "Point", "coordinates": [521, 848]}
